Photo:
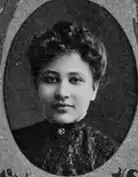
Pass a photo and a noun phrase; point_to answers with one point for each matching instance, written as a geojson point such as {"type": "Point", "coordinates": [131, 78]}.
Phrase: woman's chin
{"type": "Point", "coordinates": [63, 120]}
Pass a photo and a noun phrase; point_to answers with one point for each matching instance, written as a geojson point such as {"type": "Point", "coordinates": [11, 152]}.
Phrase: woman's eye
{"type": "Point", "coordinates": [50, 79]}
{"type": "Point", "coordinates": [76, 80]}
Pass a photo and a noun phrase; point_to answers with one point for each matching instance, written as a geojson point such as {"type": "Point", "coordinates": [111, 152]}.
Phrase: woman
{"type": "Point", "coordinates": [67, 64]}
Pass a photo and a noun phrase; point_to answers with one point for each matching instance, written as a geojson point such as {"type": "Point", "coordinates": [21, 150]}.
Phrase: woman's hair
{"type": "Point", "coordinates": [67, 37]}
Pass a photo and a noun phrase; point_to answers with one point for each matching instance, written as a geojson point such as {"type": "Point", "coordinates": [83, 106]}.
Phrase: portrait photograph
{"type": "Point", "coordinates": [70, 88]}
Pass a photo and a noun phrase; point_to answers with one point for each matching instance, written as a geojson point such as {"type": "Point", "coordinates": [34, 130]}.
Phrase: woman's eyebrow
{"type": "Point", "coordinates": [71, 73]}
{"type": "Point", "coordinates": [51, 72]}
{"type": "Point", "coordinates": [76, 73]}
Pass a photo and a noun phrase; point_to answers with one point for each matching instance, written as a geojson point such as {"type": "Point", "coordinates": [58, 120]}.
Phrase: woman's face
{"type": "Point", "coordinates": [66, 88]}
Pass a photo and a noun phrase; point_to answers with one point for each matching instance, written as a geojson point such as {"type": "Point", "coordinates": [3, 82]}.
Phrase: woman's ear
{"type": "Point", "coordinates": [94, 91]}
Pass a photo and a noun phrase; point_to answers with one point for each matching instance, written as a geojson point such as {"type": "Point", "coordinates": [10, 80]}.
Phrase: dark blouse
{"type": "Point", "coordinates": [67, 150]}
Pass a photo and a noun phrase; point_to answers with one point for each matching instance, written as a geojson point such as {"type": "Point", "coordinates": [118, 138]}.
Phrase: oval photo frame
{"type": "Point", "coordinates": [76, 10]}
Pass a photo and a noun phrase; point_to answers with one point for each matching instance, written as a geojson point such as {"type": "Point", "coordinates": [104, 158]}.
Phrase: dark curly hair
{"type": "Point", "coordinates": [67, 37]}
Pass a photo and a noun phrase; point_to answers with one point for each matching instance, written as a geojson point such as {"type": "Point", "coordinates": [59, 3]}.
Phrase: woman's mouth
{"type": "Point", "coordinates": [62, 107]}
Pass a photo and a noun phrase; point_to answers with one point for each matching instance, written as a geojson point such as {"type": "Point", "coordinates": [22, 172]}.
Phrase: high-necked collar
{"type": "Point", "coordinates": [62, 129]}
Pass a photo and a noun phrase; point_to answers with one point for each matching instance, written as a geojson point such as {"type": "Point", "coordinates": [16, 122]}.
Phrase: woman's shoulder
{"type": "Point", "coordinates": [31, 139]}
{"type": "Point", "coordinates": [36, 129]}
{"type": "Point", "coordinates": [104, 143]}
{"type": "Point", "coordinates": [31, 136]}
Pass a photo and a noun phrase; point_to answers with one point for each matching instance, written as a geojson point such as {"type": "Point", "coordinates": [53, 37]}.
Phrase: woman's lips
{"type": "Point", "coordinates": [62, 108]}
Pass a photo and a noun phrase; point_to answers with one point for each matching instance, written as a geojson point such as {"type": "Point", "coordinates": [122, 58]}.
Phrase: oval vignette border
{"type": "Point", "coordinates": [118, 166]}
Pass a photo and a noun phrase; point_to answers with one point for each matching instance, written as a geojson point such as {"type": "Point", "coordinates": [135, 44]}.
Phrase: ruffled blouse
{"type": "Point", "coordinates": [65, 150]}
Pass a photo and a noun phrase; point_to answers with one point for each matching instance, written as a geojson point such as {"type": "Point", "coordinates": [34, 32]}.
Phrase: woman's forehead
{"type": "Point", "coordinates": [67, 73]}
{"type": "Point", "coordinates": [68, 63]}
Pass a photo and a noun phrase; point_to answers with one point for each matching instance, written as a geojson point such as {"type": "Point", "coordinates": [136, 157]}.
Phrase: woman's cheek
{"type": "Point", "coordinates": [83, 99]}
{"type": "Point", "coordinates": [46, 93]}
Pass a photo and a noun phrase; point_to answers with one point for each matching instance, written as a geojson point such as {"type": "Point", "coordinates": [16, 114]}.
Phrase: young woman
{"type": "Point", "coordinates": [67, 64]}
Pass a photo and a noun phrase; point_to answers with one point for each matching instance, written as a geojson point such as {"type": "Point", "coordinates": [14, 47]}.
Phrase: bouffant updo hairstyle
{"type": "Point", "coordinates": [67, 37]}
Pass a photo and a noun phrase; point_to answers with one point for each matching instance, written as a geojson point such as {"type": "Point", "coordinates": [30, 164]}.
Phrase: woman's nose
{"type": "Point", "coordinates": [63, 90]}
